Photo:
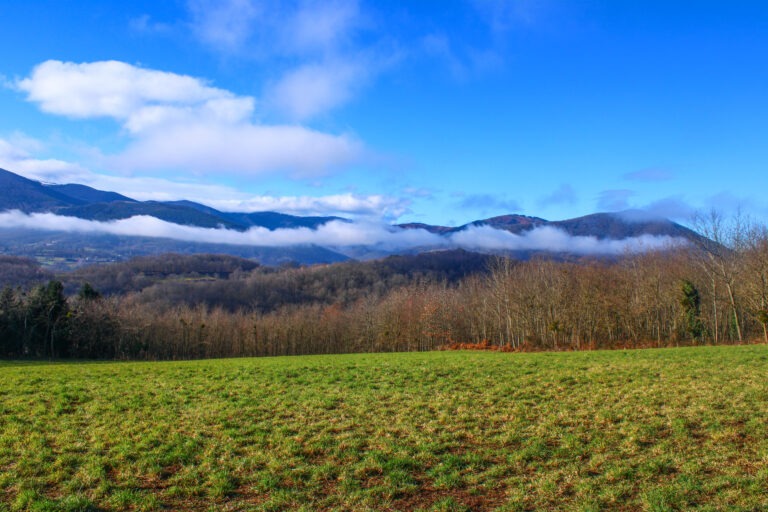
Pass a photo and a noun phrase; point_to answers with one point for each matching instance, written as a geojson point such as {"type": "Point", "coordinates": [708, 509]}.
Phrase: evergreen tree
{"type": "Point", "coordinates": [691, 303]}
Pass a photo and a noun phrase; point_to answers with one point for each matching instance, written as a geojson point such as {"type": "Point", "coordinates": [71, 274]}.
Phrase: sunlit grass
{"type": "Point", "coordinates": [637, 430]}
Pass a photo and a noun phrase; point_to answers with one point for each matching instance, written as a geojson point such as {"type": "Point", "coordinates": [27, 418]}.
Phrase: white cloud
{"type": "Point", "coordinates": [111, 89]}
{"type": "Point", "coordinates": [339, 234]}
{"type": "Point", "coordinates": [316, 88]}
{"type": "Point", "coordinates": [224, 24]}
{"type": "Point", "coordinates": [311, 45]}
{"type": "Point", "coordinates": [226, 111]}
{"type": "Point", "coordinates": [178, 122]}
{"type": "Point", "coordinates": [553, 239]}
{"type": "Point", "coordinates": [332, 234]}
{"type": "Point", "coordinates": [242, 149]}
{"type": "Point", "coordinates": [322, 26]}
{"type": "Point", "coordinates": [11, 152]}
{"type": "Point", "coordinates": [267, 29]}
{"type": "Point", "coordinates": [376, 206]}
{"type": "Point", "coordinates": [16, 155]}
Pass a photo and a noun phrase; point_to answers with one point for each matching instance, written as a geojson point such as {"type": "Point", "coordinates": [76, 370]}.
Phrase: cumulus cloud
{"type": "Point", "coordinates": [339, 234]}
{"type": "Point", "coordinates": [178, 122]}
{"type": "Point", "coordinates": [118, 90]}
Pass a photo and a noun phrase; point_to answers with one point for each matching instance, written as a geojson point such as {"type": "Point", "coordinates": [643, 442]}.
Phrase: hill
{"type": "Point", "coordinates": [30, 196]}
{"type": "Point", "coordinates": [69, 249]}
{"type": "Point", "coordinates": [614, 225]}
{"type": "Point", "coordinates": [234, 283]}
{"type": "Point", "coordinates": [83, 202]}
{"type": "Point", "coordinates": [66, 251]}
{"type": "Point", "coordinates": [86, 194]}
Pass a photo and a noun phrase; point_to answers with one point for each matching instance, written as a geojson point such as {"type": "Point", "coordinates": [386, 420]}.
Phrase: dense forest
{"type": "Point", "coordinates": [175, 307]}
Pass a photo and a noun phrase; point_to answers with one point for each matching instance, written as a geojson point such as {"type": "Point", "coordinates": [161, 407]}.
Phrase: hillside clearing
{"type": "Point", "coordinates": [650, 429]}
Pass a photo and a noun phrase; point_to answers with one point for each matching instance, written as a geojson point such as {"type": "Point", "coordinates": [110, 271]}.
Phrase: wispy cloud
{"type": "Point", "coordinates": [323, 26]}
{"type": "Point", "coordinates": [319, 61]}
{"type": "Point", "coordinates": [17, 155]}
{"type": "Point", "coordinates": [563, 195]}
{"type": "Point", "coordinates": [727, 201]}
{"type": "Point", "coordinates": [316, 88]}
{"type": "Point", "coordinates": [254, 28]}
{"type": "Point", "coordinates": [487, 203]}
{"type": "Point", "coordinates": [439, 46]}
{"type": "Point", "coordinates": [144, 24]}
{"type": "Point", "coordinates": [674, 207]}
{"type": "Point", "coordinates": [497, 20]}
{"type": "Point", "coordinates": [505, 15]}
{"type": "Point", "coordinates": [224, 24]}
{"type": "Point", "coordinates": [614, 200]}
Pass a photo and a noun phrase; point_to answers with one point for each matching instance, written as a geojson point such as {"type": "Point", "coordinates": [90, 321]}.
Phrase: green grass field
{"type": "Point", "coordinates": [636, 430]}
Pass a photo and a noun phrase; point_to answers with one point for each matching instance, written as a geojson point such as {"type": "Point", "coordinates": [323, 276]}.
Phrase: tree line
{"type": "Point", "coordinates": [712, 292]}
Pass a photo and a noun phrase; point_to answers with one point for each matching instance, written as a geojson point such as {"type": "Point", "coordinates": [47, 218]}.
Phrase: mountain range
{"type": "Point", "coordinates": [84, 202]}
{"type": "Point", "coordinates": [59, 248]}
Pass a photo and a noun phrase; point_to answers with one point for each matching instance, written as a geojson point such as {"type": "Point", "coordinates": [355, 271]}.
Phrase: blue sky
{"type": "Point", "coordinates": [439, 112]}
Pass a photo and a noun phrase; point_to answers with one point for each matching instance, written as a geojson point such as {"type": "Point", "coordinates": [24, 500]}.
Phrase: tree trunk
{"type": "Point", "coordinates": [735, 313]}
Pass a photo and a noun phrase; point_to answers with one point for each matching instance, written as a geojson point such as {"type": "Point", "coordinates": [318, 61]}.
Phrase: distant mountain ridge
{"type": "Point", "coordinates": [80, 201]}
{"type": "Point", "coordinates": [616, 226]}
{"type": "Point", "coordinates": [84, 202]}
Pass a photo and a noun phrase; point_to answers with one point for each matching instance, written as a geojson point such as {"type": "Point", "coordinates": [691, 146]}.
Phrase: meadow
{"type": "Point", "coordinates": [655, 430]}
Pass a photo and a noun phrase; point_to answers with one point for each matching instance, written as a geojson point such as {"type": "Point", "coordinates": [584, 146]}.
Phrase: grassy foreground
{"type": "Point", "coordinates": [652, 429]}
